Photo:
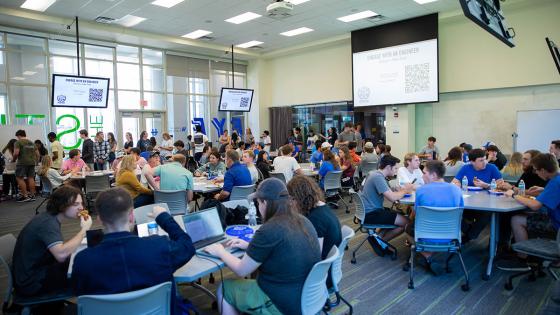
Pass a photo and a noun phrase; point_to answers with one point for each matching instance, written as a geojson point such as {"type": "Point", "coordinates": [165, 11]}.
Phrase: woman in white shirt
{"type": "Point", "coordinates": [9, 174]}
{"type": "Point", "coordinates": [248, 159]}
{"type": "Point", "coordinates": [166, 146]}
{"type": "Point", "coordinates": [410, 172]}
{"type": "Point", "coordinates": [52, 175]}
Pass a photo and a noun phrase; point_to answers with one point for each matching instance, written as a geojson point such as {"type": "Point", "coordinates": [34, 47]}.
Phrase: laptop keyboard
{"type": "Point", "coordinates": [203, 243]}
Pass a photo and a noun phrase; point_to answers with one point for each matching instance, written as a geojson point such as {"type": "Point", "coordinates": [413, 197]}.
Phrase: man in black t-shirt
{"type": "Point", "coordinates": [496, 157]}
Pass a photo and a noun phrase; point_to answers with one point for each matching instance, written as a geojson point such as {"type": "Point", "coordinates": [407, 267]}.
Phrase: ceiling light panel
{"type": "Point", "coordinates": [197, 34]}
{"type": "Point", "coordinates": [296, 2]}
{"type": "Point", "coordinates": [167, 3]}
{"type": "Point", "coordinates": [37, 5]}
{"type": "Point", "coordinates": [357, 16]}
{"type": "Point", "coordinates": [242, 18]}
{"type": "Point", "coordinates": [249, 44]}
{"type": "Point", "coordinates": [130, 20]}
{"type": "Point", "coordinates": [297, 31]}
{"type": "Point", "coordinates": [424, 1]}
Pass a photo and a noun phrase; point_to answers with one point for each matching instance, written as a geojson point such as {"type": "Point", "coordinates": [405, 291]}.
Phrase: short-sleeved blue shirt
{"type": "Point", "coordinates": [316, 156]}
{"type": "Point", "coordinates": [237, 175]}
{"type": "Point", "coordinates": [486, 175]}
{"type": "Point", "coordinates": [550, 198]}
{"type": "Point", "coordinates": [439, 194]}
{"type": "Point", "coordinates": [325, 168]}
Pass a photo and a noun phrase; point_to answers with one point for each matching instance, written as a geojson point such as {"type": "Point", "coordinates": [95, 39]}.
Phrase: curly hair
{"type": "Point", "coordinates": [62, 198]}
{"type": "Point", "coordinates": [305, 192]}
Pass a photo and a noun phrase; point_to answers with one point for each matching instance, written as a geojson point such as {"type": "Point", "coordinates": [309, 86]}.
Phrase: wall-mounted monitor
{"type": "Point", "coordinates": [488, 15]}
{"type": "Point", "coordinates": [236, 100]}
{"type": "Point", "coordinates": [79, 91]}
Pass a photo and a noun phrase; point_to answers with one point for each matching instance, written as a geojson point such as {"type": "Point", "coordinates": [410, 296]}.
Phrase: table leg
{"type": "Point", "coordinates": [493, 245]}
{"type": "Point", "coordinates": [204, 289]}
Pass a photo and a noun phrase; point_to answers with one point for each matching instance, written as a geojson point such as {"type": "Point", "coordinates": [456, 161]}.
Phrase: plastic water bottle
{"type": "Point", "coordinates": [252, 216]}
{"type": "Point", "coordinates": [521, 188]}
{"type": "Point", "coordinates": [465, 183]}
{"type": "Point", "coordinates": [152, 228]}
{"type": "Point", "coordinates": [493, 185]}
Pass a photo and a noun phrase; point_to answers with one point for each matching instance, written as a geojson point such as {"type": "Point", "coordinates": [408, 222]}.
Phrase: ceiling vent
{"type": "Point", "coordinates": [104, 20]}
{"type": "Point", "coordinates": [279, 10]}
{"type": "Point", "coordinates": [377, 18]}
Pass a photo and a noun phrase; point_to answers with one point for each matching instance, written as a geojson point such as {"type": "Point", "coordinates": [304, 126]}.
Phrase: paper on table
{"type": "Point", "coordinates": [466, 196]}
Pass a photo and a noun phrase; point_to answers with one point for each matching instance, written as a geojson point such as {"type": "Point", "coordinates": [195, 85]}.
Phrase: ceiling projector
{"type": "Point", "coordinates": [279, 8]}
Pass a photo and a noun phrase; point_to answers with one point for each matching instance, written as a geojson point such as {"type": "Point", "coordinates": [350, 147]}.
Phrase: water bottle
{"type": "Point", "coordinates": [252, 216]}
{"type": "Point", "coordinates": [465, 183]}
{"type": "Point", "coordinates": [493, 185]}
{"type": "Point", "coordinates": [152, 228]}
{"type": "Point", "coordinates": [521, 188]}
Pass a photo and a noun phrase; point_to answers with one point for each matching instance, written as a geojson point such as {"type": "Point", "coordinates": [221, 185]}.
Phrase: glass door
{"type": "Point", "coordinates": [137, 122]}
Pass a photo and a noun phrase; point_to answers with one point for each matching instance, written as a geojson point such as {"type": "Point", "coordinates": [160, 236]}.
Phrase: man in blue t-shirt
{"type": "Point", "coordinates": [435, 193]}
{"type": "Point", "coordinates": [237, 175]}
{"type": "Point", "coordinates": [480, 174]}
{"type": "Point", "coordinates": [545, 219]}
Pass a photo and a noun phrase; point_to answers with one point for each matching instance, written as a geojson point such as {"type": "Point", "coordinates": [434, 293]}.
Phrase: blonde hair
{"type": "Point", "coordinates": [46, 163]}
{"type": "Point", "coordinates": [250, 153]}
{"type": "Point", "coordinates": [408, 158]}
{"type": "Point", "coordinates": [165, 136]}
{"type": "Point", "coordinates": [128, 163]}
{"type": "Point", "coordinates": [514, 168]}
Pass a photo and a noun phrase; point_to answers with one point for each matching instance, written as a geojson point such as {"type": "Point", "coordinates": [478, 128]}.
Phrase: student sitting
{"type": "Point", "coordinates": [180, 148]}
{"type": "Point", "coordinates": [74, 164]}
{"type": "Point", "coordinates": [544, 219]}
{"type": "Point", "coordinates": [236, 175]}
{"type": "Point", "coordinates": [356, 159]}
{"type": "Point", "coordinates": [410, 172]}
{"type": "Point", "coordinates": [369, 156]}
{"type": "Point", "coordinates": [263, 165]}
{"type": "Point", "coordinates": [41, 256]}
{"type": "Point", "coordinates": [123, 262]}
{"type": "Point", "coordinates": [286, 164]}
{"type": "Point", "coordinates": [126, 178]}
{"type": "Point", "coordinates": [214, 167]}
{"type": "Point", "coordinates": [174, 176]}
{"type": "Point", "coordinates": [330, 163]}
{"type": "Point", "coordinates": [147, 179]}
{"type": "Point", "coordinates": [453, 161]}
{"type": "Point", "coordinates": [496, 157]}
{"type": "Point", "coordinates": [533, 182]}
{"type": "Point", "coordinates": [281, 276]}
{"type": "Point", "coordinates": [317, 156]}
{"type": "Point", "coordinates": [248, 160]}
{"type": "Point", "coordinates": [373, 192]}
{"type": "Point", "coordinates": [52, 175]}
{"type": "Point", "coordinates": [514, 168]}
{"type": "Point", "coordinates": [347, 166]}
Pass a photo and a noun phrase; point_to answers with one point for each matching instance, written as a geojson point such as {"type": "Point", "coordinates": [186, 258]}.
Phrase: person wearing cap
{"type": "Point", "coordinates": [147, 178]}
{"type": "Point", "coordinates": [368, 155]}
{"type": "Point", "coordinates": [317, 156]}
{"type": "Point", "coordinates": [495, 156]}
{"type": "Point", "coordinates": [283, 250]}
{"type": "Point", "coordinates": [57, 152]}
{"type": "Point", "coordinates": [286, 164]}
{"type": "Point", "coordinates": [236, 175]}
{"type": "Point", "coordinates": [466, 150]}
{"type": "Point", "coordinates": [430, 151]}
{"type": "Point", "coordinates": [330, 164]}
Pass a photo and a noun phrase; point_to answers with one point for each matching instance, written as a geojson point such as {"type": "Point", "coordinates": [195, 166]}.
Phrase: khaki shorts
{"type": "Point", "coordinates": [247, 297]}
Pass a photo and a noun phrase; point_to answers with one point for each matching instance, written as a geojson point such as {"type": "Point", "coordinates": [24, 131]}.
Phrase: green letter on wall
{"type": "Point", "coordinates": [69, 131]}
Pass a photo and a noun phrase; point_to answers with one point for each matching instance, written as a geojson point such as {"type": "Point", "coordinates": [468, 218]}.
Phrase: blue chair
{"type": "Point", "coordinates": [438, 229]}
{"type": "Point", "coordinates": [370, 229]}
{"type": "Point", "coordinates": [315, 294]}
{"type": "Point", "coordinates": [154, 300]}
{"type": "Point", "coordinates": [141, 213]}
{"type": "Point", "coordinates": [176, 200]}
{"type": "Point", "coordinates": [7, 245]}
{"type": "Point", "coordinates": [332, 186]}
{"type": "Point", "coordinates": [336, 269]}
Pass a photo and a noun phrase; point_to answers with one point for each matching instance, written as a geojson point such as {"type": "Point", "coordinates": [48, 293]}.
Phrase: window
{"type": "Point", "coordinates": [98, 52]}
{"type": "Point", "coordinates": [64, 65]}
{"type": "Point", "coordinates": [152, 57]}
{"type": "Point", "coordinates": [153, 78]}
{"type": "Point", "coordinates": [129, 100]}
{"type": "Point", "coordinates": [27, 67]}
{"type": "Point", "coordinates": [127, 54]}
{"type": "Point", "coordinates": [128, 76]}
{"type": "Point", "coordinates": [57, 47]}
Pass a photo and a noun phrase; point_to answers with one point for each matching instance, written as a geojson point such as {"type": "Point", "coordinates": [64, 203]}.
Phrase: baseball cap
{"type": "Point", "coordinates": [467, 147]}
{"type": "Point", "coordinates": [368, 145]}
{"type": "Point", "coordinates": [119, 154]}
{"type": "Point", "coordinates": [487, 144]}
{"type": "Point", "coordinates": [270, 189]}
{"type": "Point", "coordinates": [154, 153]}
{"type": "Point", "coordinates": [325, 145]}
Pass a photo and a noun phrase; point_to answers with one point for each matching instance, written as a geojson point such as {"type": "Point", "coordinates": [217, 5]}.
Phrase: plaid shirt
{"type": "Point", "coordinates": [101, 150]}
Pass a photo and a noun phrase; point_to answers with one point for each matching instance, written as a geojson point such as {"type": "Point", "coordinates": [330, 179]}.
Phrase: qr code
{"type": "Point", "coordinates": [417, 78]}
{"type": "Point", "coordinates": [244, 102]}
{"type": "Point", "coordinates": [95, 95]}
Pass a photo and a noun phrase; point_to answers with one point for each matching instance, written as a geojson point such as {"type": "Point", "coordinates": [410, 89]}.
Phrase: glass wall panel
{"type": "Point", "coordinates": [26, 43]}
{"type": "Point", "coordinates": [104, 69]}
{"type": "Point", "coordinates": [152, 57]}
{"type": "Point", "coordinates": [155, 100]}
{"type": "Point", "coordinates": [64, 65]}
{"type": "Point", "coordinates": [59, 47]}
{"type": "Point", "coordinates": [153, 79]}
{"type": "Point", "coordinates": [29, 100]}
{"type": "Point", "coordinates": [127, 54]}
{"type": "Point", "coordinates": [27, 67]}
{"type": "Point", "coordinates": [98, 52]}
{"type": "Point", "coordinates": [129, 100]}
{"type": "Point", "coordinates": [2, 65]}
{"type": "Point", "coordinates": [128, 76]}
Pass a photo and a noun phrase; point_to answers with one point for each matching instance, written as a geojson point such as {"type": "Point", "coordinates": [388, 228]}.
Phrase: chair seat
{"type": "Point", "coordinates": [378, 226]}
{"type": "Point", "coordinates": [25, 301]}
{"type": "Point", "coordinates": [538, 247]}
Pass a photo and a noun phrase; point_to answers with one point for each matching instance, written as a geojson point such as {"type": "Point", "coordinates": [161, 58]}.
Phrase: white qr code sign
{"type": "Point", "coordinates": [238, 100]}
{"type": "Point", "coordinates": [79, 91]}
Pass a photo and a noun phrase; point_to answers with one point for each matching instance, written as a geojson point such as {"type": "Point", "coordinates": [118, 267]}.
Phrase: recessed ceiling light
{"type": "Point", "coordinates": [130, 20]}
{"type": "Point", "coordinates": [197, 34]}
{"type": "Point", "coordinates": [18, 78]}
{"type": "Point", "coordinates": [247, 16]}
{"type": "Point", "coordinates": [424, 1]}
{"type": "Point", "coordinates": [167, 3]}
{"type": "Point", "coordinates": [297, 31]}
{"type": "Point", "coordinates": [296, 2]}
{"type": "Point", "coordinates": [37, 5]}
{"type": "Point", "coordinates": [29, 72]}
{"type": "Point", "coordinates": [357, 16]}
{"type": "Point", "coordinates": [249, 44]}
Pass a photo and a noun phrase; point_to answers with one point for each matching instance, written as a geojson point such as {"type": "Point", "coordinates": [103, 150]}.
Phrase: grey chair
{"type": "Point", "coordinates": [7, 245]}
{"type": "Point", "coordinates": [315, 294]}
{"type": "Point", "coordinates": [46, 191]}
{"type": "Point", "coordinates": [369, 229]}
{"type": "Point", "coordinates": [437, 229]}
{"type": "Point", "coordinates": [141, 213]}
{"type": "Point", "coordinates": [278, 175]}
{"type": "Point", "coordinates": [241, 192]}
{"type": "Point", "coordinates": [94, 185]}
{"type": "Point", "coordinates": [333, 187]}
{"type": "Point", "coordinates": [336, 269]}
{"type": "Point", "coordinates": [155, 300]}
{"type": "Point", "coordinates": [176, 200]}
{"type": "Point", "coordinates": [546, 252]}
{"type": "Point", "coordinates": [367, 167]}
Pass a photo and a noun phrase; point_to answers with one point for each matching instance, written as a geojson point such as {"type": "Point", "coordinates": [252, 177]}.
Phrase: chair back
{"type": "Point", "coordinates": [336, 270]}
{"type": "Point", "coordinates": [278, 175]}
{"type": "Point", "coordinates": [232, 204]}
{"type": "Point", "coordinates": [315, 292]}
{"type": "Point", "coordinates": [7, 245]}
{"type": "Point", "coordinates": [438, 223]}
{"type": "Point", "coordinates": [261, 176]}
{"type": "Point", "coordinates": [97, 183]}
{"type": "Point", "coordinates": [46, 186]}
{"type": "Point", "coordinates": [141, 213]}
{"type": "Point", "coordinates": [448, 179]}
{"type": "Point", "coordinates": [154, 300]}
{"type": "Point", "coordinates": [509, 178]}
{"type": "Point", "coordinates": [360, 208]}
{"type": "Point", "coordinates": [241, 192]}
{"type": "Point", "coordinates": [333, 180]}
{"type": "Point", "coordinates": [176, 200]}
{"type": "Point", "coordinates": [367, 167]}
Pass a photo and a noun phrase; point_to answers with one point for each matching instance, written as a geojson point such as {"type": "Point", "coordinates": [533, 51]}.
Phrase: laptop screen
{"type": "Point", "coordinates": [203, 225]}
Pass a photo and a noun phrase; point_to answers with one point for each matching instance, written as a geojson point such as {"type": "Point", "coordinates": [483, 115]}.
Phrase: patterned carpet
{"type": "Point", "coordinates": [377, 285]}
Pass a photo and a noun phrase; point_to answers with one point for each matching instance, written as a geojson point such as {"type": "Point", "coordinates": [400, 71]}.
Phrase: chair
{"type": "Point", "coordinates": [510, 179]}
{"type": "Point", "coordinates": [241, 192]}
{"type": "Point", "coordinates": [367, 167]}
{"type": "Point", "coordinates": [336, 269]}
{"type": "Point", "coordinates": [438, 229]}
{"type": "Point", "coordinates": [232, 204]}
{"type": "Point", "coordinates": [546, 251]}
{"type": "Point", "coordinates": [46, 191]}
{"type": "Point", "coordinates": [315, 293]}
{"type": "Point", "coordinates": [155, 300]}
{"type": "Point", "coordinates": [94, 185]}
{"type": "Point", "coordinates": [7, 245]}
{"type": "Point", "coordinates": [176, 200]}
{"type": "Point", "coordinates": [141, 213]}
{"type": "Point", "coordinates": [359, 218]}
{"type": "Point", "coordinates": [333, 187]}
{"type": "Point", "coordinates": [278, 175]}
{"type": "Point", "coordinates": [448, 179]}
